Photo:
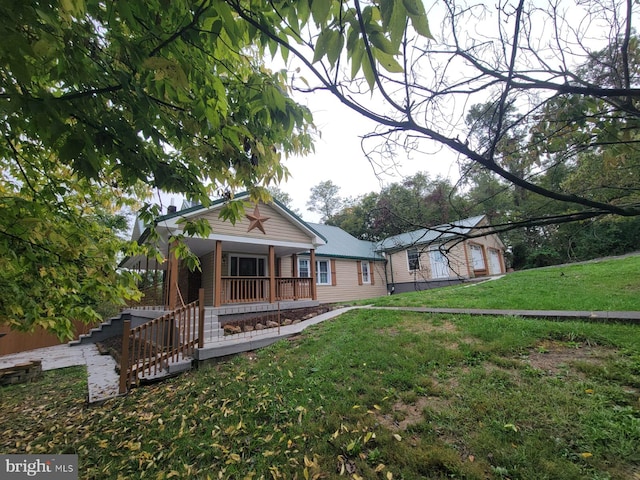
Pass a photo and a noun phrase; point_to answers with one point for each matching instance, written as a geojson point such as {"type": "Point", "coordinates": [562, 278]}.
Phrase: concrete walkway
{"type": "Point", "coordinates": [103, 380]}
{"type": "Point", "coordinates": [612, 316]}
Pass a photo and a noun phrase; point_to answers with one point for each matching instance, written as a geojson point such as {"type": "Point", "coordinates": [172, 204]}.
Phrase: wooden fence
{"type": "Point", "coordinates": [148, 349]}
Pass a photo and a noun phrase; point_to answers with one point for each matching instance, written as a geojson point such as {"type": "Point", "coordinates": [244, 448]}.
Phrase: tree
{"type": "Point", "coordinates": [284, 198]}
{"type": "Point", "coordinates": [101, 102]}
{"type": "Point", "coordinates": [501, 55]}
{"type": "Point", "coordinates": [325, 199]}
{"type": "Point", "coordinates": [414, 203]}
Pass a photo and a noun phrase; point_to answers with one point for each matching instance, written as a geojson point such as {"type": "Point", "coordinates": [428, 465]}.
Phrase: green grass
{"type": "Point", "coordinates": [371, 394]}
{"type": "Point", "coordinates": [606, 285]}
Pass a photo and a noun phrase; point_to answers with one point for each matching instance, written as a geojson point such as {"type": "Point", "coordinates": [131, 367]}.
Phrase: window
{"type": "Point", "coordinates": [477, 257]}
{"type": "Point", "coordinates": [323, 274]}
{"type": "Point", "coordinates": [303, 268]}
{"type": "Point", "coordinates": [366, 278]}
{"type": "Point", "coordinates": [323, 271]}
{"type": "Point", "coordinates": [247, 266]}
{"type": "Point", "coordinates": [413, 257]}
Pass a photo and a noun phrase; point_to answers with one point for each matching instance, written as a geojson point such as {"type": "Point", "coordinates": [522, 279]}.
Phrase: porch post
{"type": "Point", "coordinates": [272, 274]}
{"type": "Point", "coordinates": [312, 261]}
{"type": "Point", "coordinates": [217, 276]}
{"type": "Point", "coordinates": [294, 274]}
{"type": "Point", "coordinates": [172, 278]}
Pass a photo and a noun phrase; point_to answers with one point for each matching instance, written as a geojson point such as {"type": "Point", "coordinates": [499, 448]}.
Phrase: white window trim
{"type": "Point", "coordinates": [306, 260]}
{"type": "Point", "coordinates": [328, 262]}
{"type": "Point", "coordinates": [318, 282]}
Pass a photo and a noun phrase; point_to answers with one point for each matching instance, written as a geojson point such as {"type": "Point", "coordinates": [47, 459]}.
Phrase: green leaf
{"type": "Point", "coordinates": [368, 71]}
{"type": "Point", "coordinates": [379, 41]}
{"type": "Point", "coordinates": [322, 45]}
{"type": "Point", "coordinates": [421, 25]}
{"type": "Point", "coordinates": [388, 62]}
{"type": "Point", "coordinates": [414, 7]}
{"type": "Point", "coordinates": [334, 49]}
{"type": "Point", "coordinates": [356, 59]}
{"type": "Point", "coordinates": [320, 10]}
{"type": "Point", "coordinates": [386, 12]}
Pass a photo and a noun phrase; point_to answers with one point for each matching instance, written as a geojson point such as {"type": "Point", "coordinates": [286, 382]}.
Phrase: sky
{"type": "Point", "coordinates": [339, 157]}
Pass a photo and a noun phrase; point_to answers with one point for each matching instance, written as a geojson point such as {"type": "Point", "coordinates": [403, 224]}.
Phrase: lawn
{"type": "Point", "coordinates": [606, 285]}
{"type": "Point", "coordinates": [370, 394]}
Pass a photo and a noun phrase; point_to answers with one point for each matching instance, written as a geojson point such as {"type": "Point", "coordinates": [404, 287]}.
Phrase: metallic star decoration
{"type": "Point", "coordinates": [257, 220]}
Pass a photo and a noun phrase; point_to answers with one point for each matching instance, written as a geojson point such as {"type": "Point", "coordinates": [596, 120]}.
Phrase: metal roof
{"type": "Point", "coordinates": [342, 244]}
{"type": "Point", "coordinates": [437, 234]}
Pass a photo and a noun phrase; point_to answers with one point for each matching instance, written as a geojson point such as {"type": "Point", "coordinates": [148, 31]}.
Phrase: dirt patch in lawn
{"type": "Point", "coordinates": [403, 415]}
{"type": "Point", "coordinates": [555, 358]}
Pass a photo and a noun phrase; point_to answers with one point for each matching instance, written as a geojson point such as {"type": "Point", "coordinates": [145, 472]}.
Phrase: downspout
{"type": "Point", "coordinates": [393, 283]}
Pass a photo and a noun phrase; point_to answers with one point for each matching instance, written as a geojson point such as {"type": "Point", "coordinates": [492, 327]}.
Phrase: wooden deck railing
{"type": "Point", "coordinates": [256, 289]}
{"type": "Point", "coordinates": [245, 289]}
{"type": "Point", "coordinates": [148, 349]}
{"type": "Point", "coordinates": [293, 288]}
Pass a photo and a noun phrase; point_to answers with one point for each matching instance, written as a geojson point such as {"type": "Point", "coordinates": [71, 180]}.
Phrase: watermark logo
{"type": "Point", "coordinates": [45, 467]}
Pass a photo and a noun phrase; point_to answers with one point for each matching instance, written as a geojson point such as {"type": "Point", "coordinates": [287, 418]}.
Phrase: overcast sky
{"type": "Point", "coordinates": [338, 156]}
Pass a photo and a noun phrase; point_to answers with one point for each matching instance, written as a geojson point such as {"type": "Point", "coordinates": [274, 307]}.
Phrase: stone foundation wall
{"type": "Point", "coordinates": [21, 373]}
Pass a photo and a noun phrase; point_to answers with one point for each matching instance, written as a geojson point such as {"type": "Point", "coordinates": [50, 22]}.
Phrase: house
{"type": "Point", "coordinates": [442, 255]}
{"type": "Point", "coordinates": [272, 257]}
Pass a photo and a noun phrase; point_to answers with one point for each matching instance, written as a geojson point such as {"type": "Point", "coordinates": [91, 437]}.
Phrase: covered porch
{"type": "Point", "coordinates": [232, 272]}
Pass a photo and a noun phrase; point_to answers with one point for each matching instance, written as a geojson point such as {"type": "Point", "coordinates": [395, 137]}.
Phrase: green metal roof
{"type": "Point", "coordinates": [344, 245]}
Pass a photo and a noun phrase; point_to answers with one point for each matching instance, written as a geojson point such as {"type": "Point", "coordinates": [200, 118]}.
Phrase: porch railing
{"type": "Point", "coordinates": [293, 288]}
{"type": "Point", "coordinates": [256, 289]}
{"type": "Point", "coordinates": [148, 349]}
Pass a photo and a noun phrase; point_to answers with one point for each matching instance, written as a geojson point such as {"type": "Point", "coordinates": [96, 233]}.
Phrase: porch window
{"type": "Point", "coordinates": [413, 257]}
{"type": "Point", "coordinates": [366, 278]}
{"type": "Point", "coordinates": [247, 266]}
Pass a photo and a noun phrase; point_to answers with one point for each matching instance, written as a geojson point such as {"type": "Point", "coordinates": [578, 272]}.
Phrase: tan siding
{"type": "Point", "coordinates": [277, 227]}
{"type": "Point", "coordinates": [347, 287]}
{"type": "Point", "coordinates": [459, 259]}
{"type": "Point", "coordinates": [208, 273]}
{"type": "Point", "coordinates": [285, 266]}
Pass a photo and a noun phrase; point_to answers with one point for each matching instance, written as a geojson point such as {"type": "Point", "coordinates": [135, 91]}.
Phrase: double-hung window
{"type": "Point", "coordinates": [323, 273]}
{"type": "Point", "coordinates": [303, 268]}
{"type": "Point", "coordinates": [323, 270]}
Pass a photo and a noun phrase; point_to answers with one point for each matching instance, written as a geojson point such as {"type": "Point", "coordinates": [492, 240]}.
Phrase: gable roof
{"type": "Point", "coordinates": [341, 244]}
{"type": "Point", "coordinates": [190, 209]}
{"type": "Point", "coordinates": [437, 234]}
